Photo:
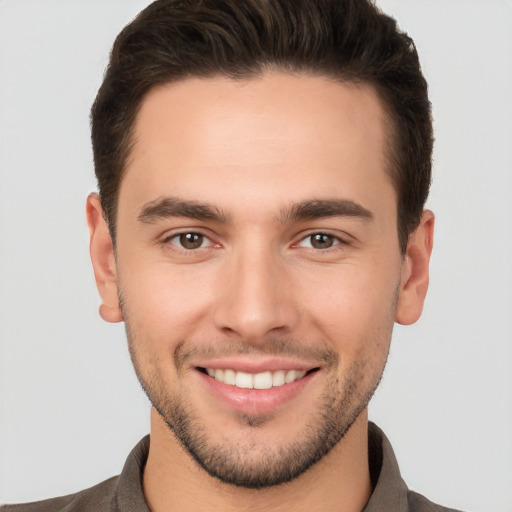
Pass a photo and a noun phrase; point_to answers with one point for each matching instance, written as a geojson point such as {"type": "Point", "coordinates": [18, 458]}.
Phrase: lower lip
{"type": "Point", "coordinates": [256, 401]}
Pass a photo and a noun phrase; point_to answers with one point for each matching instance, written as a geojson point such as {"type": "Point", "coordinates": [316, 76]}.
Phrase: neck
{"type": "Point", "coordinates": [339, 482]}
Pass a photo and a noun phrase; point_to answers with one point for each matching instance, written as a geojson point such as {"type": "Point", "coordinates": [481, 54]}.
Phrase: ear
{"type": "Point", "coordinates": [415, 271]}
{"type": "Point", "coordinates": [103, 260]}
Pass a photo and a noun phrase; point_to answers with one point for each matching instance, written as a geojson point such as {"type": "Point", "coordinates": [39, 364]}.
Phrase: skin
{"type": "Point", "coordinates": [259, 292]}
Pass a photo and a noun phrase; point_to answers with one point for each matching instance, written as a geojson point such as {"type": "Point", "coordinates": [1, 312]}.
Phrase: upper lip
{"type": "Point", "coordinates": [255, 365]}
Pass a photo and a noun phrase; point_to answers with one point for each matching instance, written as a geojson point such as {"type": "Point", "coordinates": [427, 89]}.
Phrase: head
{"type": "Point", "coordinates": [263, 167]}
{"type": "Point", "coordinates": [348, 41]}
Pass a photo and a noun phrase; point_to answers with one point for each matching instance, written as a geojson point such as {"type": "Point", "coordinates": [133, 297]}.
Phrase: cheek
{"type": "Point", "coordinates": [353, 305]}
{"type": "Point", "coordinates": [164, 302]}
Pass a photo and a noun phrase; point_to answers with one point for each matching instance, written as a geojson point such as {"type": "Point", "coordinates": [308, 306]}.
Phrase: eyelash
{"type": "Point", "coordinates": [179, 242]}
{"type": "Point", "coordinates": [336, 241]}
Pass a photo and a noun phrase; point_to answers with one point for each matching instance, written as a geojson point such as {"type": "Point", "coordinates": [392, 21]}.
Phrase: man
{"type": "Point", "coordinates": [263, 168]}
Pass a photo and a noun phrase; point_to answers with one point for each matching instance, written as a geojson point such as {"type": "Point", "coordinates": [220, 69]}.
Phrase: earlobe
{"type": "Point", "coordinates": [415, 271]}
{"type": "Point", "coordinates": [103, 260]}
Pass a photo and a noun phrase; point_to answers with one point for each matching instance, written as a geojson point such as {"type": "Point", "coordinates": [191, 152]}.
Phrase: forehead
{"type": "Point", "coordinates": [278, 134]}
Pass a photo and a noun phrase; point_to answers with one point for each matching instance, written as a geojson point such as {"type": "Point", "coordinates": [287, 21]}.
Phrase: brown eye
{"type": "Point", "coordinates": [191, 240]}
{"type": "Point", "coordinates": [319, 241]}
{"type": "Point", "coordinates": [322, 241]}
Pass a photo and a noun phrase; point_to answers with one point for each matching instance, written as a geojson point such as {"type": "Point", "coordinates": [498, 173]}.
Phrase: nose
{"type": "Point", "coordinates": [255, 296]}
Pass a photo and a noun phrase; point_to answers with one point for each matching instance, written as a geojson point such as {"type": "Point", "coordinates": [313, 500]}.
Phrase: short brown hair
{"type": "Point", "coordinates": [349, 40]}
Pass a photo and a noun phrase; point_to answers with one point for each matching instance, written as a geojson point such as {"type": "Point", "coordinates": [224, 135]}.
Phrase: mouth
{"type": "Point", "coordinates": [258, 386]}
{"type": "Point", "coordinates": [262, 380]}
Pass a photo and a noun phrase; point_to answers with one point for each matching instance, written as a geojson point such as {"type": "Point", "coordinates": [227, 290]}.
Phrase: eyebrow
{"type": "Point", "coordinates": [169, 206]}
{"type": "Point", "coordinates": [323, 208]}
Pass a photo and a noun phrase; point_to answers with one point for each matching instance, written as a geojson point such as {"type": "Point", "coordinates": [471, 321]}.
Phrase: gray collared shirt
{"type": "Point", "coordinates": [124, 493]}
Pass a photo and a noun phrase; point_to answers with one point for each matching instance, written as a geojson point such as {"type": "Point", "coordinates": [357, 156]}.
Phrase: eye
{"type": "Point", "coordinates": [319, 241]}
{"type": "Point", "coordinates": [190, 241]}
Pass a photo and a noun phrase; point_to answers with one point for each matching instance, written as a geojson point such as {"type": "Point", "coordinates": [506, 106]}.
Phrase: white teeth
{"type": "Point", "coordinates": [290, 376]}
{"type": "Point", "coordinates": [242, 380]}
{"type": "Point", "coordinates": [278, 378]}
{"type": "Point", "coordinates": [264, 380]}
{"type": "Point", "coordinates": [229, 377]}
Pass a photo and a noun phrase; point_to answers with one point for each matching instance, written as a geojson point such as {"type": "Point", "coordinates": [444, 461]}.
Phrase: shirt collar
{"type": "Point", "coordinates": [389, 489]}
{"type": "Point", "coordinates": [129, 494]}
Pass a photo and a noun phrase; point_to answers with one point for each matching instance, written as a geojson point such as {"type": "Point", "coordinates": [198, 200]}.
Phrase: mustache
{"type": "Point", "coordinates": [281, 347]}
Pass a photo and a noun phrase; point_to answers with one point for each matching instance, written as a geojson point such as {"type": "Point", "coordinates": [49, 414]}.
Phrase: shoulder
{"type": "Point", "coordinates": [418, 503]}
{"type": "Point", "coordinates": [117, 493]}
{"type": "Point", "coordinates": [97, 499]}
{"type": "Point", "coordinates": [390, 492]}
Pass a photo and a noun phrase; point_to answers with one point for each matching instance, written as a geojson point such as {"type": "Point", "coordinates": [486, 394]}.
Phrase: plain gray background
{"type": "Point", "coordinates": [70, 405]}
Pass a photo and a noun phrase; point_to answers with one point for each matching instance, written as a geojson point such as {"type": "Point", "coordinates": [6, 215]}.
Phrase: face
{"type": "Point", "coordinates": [258, 267]}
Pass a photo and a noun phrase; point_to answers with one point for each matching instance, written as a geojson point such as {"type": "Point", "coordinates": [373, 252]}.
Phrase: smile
{"type": "Point", "coordinates": [263, 380]}
{"type": "Point", "coordinates": [258, 387]}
